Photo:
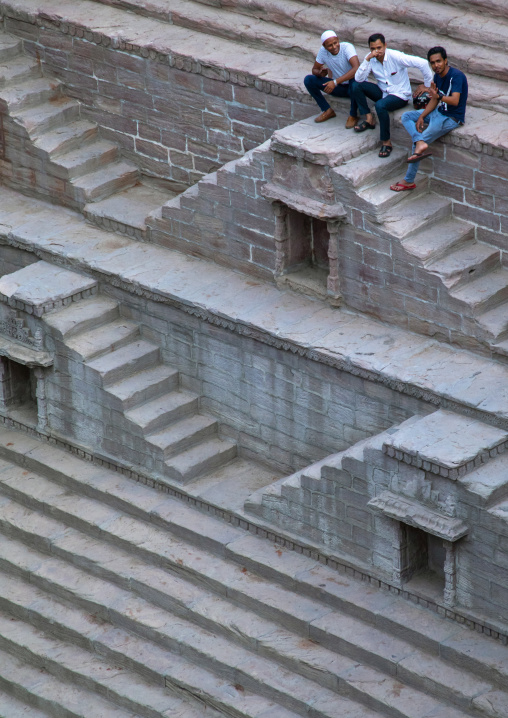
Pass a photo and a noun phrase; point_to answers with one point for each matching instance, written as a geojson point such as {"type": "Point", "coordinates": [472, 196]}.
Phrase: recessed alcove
{"type": "Point", "coordinates": [18, 390]}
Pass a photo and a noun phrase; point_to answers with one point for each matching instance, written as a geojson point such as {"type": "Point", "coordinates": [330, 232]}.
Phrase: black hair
{"type": "Point", "coordinates": [438, 50]}
{"type": "Point", "coordinates": [377, 36]}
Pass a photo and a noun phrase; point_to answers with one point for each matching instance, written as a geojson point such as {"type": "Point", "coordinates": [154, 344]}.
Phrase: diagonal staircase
{"type": "Point", "coordinates": [51, 149]}
{"type": "Point", "coordinates": [471, 277]}
{"type": "Point", "coordinates": [116, 600]}
{"type": "Point", "coordinates": [154, 423]}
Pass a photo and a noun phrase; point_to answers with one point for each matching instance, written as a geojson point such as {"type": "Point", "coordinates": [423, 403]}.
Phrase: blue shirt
{"type": "Point", "coordinates": [453, 81]}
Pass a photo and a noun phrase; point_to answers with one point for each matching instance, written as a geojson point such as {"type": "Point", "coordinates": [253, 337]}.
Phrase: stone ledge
{"type": "Point", "coordinates": [411, 364]}
{"type": "Point", "coordinates": [24, 355]}
{"type": "Point", "coordinates": [318, 210]}
{"type": "Point", "coordinates": [447, 444]}
{"type": "Point", "coordinates": [484, 130]}
{"type": "Point", "coordinates": [414, 514]}
{"type": "Point", "coordinates": [42, 287]}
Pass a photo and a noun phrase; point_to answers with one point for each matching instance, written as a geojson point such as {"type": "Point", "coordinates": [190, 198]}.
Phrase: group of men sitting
{"type": "Point", "coordinates": [337, 71]}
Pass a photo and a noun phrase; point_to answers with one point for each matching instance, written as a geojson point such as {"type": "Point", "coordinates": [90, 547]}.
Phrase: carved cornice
{"type": "Point", "coordinates": [300, 203]}
{"type": "Point", "coordinates": [415, 514]}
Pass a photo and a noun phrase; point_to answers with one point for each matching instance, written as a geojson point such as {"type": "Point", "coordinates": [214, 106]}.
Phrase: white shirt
{"type": "Point", "coordinates": [391, 74]}
{"type": "Point", "coordinates": [339, 63]}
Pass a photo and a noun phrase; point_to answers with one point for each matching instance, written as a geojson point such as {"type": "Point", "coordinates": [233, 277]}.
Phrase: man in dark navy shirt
{"type": "Point", "coordinates": [445, 111]}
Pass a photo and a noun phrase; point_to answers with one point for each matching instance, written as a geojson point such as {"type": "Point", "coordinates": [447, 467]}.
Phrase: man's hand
{"type": "Point", "coordinates": [329, 87]}
{"type": "Point", "coordinates": [324, 72]}
{"type": "Point", "coordinates": [420, 89]}
{"type": "Point", "coordinates": [420, 124]}
{"type": "Point", "coordinates": [433, 91]}
{"type": "Point", "coordinates": [374, 53]}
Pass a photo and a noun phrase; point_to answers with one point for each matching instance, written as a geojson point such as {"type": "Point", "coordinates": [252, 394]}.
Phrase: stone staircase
{"type": "Point", "coordinates": [471, 277]}
{"type": "Point", "coordinates": [152, 422]}
{"type": "Point", "coordinates": [474, 34]}
{"type": "Point", "coordinates": [51, 149]}
{"type": "Point", "coordinates": [117, 600]}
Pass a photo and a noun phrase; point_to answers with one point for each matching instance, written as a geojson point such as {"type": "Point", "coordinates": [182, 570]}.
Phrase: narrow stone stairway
{"type": "Point", "coordinates": [472, 278]}
{"type": "Point", "coordinates": [117, 600]}
{"type": "Point", "coordinates": [154, 423]}
{"type": "Point", "coordinates": [51, 149]}
{"type": "Point", "coordinates": [472, 33]}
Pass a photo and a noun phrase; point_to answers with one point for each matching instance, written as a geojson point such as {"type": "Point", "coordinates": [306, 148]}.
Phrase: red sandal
{"type": "Point", "coordinates": [400, 187]}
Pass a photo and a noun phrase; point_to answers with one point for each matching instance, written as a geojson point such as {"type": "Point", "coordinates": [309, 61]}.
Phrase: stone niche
{"type": "Point", "coordinates": [306, 243]}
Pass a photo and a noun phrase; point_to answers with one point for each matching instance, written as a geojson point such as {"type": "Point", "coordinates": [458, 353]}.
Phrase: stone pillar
{"type": "Point", "coordinates": [281, 238]}
{"type": "Point", "coordinates": [333, 281]}
{"type": "Point", "coordinates": [450, 573]}
{"type": "Point", "coordinates": [4, 380]}
{"type": "Point", "coordinates": [40, 393]}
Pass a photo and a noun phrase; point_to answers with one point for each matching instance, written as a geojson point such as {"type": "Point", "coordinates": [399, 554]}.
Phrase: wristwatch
{"type": "Point", "coordinates": [441, 94]}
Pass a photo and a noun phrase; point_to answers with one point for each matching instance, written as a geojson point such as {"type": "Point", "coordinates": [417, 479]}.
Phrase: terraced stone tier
{"type": "Point", "coordinates": [149, 607]}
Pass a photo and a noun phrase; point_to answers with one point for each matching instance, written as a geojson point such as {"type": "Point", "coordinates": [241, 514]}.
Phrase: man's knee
{"type": "Point", "coordinates": [380, 106]}
{"type": "Point", "coordinates": [309, 81]}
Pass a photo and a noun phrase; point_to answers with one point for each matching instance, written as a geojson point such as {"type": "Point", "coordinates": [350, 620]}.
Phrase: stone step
{"type": "Point", "coordinates": [18, 69]}
{"type": "Point", "coordinates": [484, 293]}
{"type": "Point", "coordinates": [368, 170]}
{"type": "Point", "coordinates": [13, 708]}
{"type": "Point", "coordinates": [80, 667]}
{"type": "Point", "coordinates": [425, 211]}
{"type": "Point", "coordinates": [46, 117]}
{"type": "Point", "coordinates": [183, 434]}
{"type": "Point", "coordinates": [432, 243]}
{"type": "Point", "coordinates": [294, 28]}
{"type": "Point", "coordinates": [104, 182]}
{"type": "Point", "coordinates": [278, 571]}
{"type": "Point", "coordinates": [10, 46]}
{"type": "Point", "coordinates": [209, 651]}
{"type": "Point", "coordinates": [139, 655]}
{"type": "Point", "coordinates": [48, 693]}
{"type": "Point", "coordinates": [83, 316]}
{"type": "Point", "coordinates": [104, 339]}
{"type": "Point", "coordinates": [30, 93]}
{"type": "Point", "coordinates": [492, 8]}
{"type": "Point", "coordinates": [144, 386]}
{"type": "Point", "coordinates": [494, 323]}
{"type": "Point", "coordinates": [380, 199]}
{"type": "Point", "coordinates": [70, 136]}
{"type": "Point", "coordinates": [91, 157]}
{"type": "Point", "coordinates": [127, 211]}
{"type": "Point", "coordinates": [123, 362]}
{"type": "Point", "coordinates": [206, 456]}
{"type": "Point", "coordinates": [465, 264]}
{"type": "Point", "coordinates": [159, 412]}
{"type": "Point", "coordinates": [348, 640]}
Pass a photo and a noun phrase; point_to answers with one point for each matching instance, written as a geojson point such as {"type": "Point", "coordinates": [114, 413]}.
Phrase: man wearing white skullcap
{"type": "Point", "coordinates": [339, 59]}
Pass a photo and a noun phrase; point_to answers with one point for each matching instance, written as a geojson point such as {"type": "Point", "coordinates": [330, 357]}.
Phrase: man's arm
{"type": "Point", "coordinates": [419, 63]}
{"type": "Point", "coordinates": [363, 71]}
{"type": "Point", "coordinates": [319, 70]}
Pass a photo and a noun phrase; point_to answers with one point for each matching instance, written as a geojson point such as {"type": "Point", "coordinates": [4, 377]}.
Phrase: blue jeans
{"type": "Point", "coordinates": [314, 86]}
{"type": "Point", "coordinates": [363, 90]}
{"type": "Point", "coordinates": [438, 125]}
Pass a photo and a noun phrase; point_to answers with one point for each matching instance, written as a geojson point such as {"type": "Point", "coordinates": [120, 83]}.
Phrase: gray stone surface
{"type": "Point", "coordinates": [208, 628]}
{"type": "Point", "coordinates": [42, 285]}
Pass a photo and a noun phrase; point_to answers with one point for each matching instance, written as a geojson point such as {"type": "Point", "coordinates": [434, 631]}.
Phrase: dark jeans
{"type": "Point", "coordinates": [314, 86]}
{"type": "Point", "coordinates": [360, 91]}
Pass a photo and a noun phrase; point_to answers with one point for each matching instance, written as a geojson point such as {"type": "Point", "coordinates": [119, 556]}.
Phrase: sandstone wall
{"type": "Point", "coordinates": [282, 409]}
{"type": "Point", "coordinates": [173, 123]}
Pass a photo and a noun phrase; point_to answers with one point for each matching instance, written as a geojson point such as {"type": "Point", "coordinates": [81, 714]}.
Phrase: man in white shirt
{"type": "Point", "coordinates": [393, 89]}
{"type": "Point", "coordinates": [342, 62]}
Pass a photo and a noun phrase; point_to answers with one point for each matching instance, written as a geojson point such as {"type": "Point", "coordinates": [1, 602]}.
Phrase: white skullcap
{"type": "Point", "coordinates": [327, 35]}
